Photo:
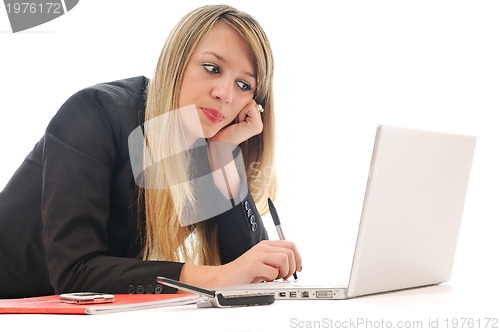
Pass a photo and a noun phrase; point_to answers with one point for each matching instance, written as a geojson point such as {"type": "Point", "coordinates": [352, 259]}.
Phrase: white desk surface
{"type": "Point", "coordinates": [459, 307]}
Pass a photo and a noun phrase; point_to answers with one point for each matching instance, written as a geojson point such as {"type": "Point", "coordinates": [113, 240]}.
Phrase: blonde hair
{"type": "Point", "coordinates": [165, 238]}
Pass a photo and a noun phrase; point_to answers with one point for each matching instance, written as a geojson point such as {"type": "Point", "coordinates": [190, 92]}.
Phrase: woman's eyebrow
{"type": "Point", "coordinates": [219, 57]}
{"type": "Point", "coordinates": [222, 59]}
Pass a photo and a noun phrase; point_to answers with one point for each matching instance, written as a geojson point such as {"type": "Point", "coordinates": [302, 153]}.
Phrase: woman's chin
{"type": "Point", "coordinates": [210, 133]}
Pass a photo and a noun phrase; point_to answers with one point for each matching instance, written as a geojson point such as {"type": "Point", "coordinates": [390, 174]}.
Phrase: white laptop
{"type": "Point", "coordinates": [410, 219]}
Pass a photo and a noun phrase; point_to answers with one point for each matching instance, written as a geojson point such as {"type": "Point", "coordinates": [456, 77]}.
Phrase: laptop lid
{"type": "Point", "coordinates": [412, 210]}
{"type": "Point", "coordinates": [410, 219]}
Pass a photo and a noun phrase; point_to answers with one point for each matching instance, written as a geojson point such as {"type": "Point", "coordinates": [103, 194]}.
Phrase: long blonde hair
{"type": "Point", "coordinates": [165, 238]}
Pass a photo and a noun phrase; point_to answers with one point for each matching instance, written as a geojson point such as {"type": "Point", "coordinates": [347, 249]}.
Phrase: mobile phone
{"type": "Point", "coordinates": [222, 301]}
{"type": "Point", "coordinates": [217, 299]}
{"type": "Point", "coordinates": [86, 298]}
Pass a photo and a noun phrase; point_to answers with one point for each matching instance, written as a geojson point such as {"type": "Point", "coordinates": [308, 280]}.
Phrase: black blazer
{"type": "Point", "coordinates": [68, 216]}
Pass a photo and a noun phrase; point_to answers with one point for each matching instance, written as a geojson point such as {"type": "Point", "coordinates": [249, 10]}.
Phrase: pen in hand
{"type": "Point", "coordinates": [277, 223]}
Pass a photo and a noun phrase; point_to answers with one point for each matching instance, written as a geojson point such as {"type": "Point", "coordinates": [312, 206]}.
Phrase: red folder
{"type": "Point", "coordinates": [123, 302]}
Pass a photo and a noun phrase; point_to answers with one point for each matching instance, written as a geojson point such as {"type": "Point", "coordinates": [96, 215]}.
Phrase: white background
{"type": "Point", "coordinates": [340, 70]}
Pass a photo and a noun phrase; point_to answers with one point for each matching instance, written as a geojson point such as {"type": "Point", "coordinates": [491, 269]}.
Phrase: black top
{"type": "Point", "coordinates": [68, 216]}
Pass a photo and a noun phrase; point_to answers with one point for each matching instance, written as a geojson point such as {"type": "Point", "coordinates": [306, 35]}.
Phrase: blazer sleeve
{"type": "Point", "coordinates": [78, 161]}
{"type": "Point", "coordinates": [239, 225]}
{"type": "Point", "coordinates": [239, 229]}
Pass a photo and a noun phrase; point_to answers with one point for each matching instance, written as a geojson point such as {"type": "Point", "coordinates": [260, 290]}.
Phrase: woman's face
{"type": "Point", "coordinates": [220, 80]}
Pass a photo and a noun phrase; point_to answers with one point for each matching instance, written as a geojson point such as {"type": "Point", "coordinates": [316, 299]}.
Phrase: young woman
{"type": "Point", "coordinates": [83, 214]}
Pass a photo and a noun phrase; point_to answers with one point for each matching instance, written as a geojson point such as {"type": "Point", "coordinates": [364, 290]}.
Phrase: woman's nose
{"type": "Point", "coordinates": [223, 90]}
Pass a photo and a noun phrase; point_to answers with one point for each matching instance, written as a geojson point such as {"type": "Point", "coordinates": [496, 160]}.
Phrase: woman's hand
{"type": "Point", "coordinates": [247, 124]}
{"type": "Point", "coordinates": [266, 261]}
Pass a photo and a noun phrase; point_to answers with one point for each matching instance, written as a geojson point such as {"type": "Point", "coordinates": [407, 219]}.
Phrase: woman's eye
{"type": "Point", "coordinates": [244, 86]}
{"type": "Point", "coordinates": [213, 69]}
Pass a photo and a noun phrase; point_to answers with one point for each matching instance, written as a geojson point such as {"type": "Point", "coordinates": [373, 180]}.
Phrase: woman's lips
{"type": "Point", "coordinates": [213, 115]}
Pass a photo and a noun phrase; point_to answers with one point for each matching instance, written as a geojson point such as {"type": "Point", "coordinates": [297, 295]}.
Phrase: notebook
{"type": "Point", "coordinates": [410, 220]}
{"type": "Point", "coordinates": [51, 304]}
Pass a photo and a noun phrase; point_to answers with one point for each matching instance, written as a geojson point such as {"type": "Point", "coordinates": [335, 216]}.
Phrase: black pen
{"type": "Point", "coordinates": [277, 223]}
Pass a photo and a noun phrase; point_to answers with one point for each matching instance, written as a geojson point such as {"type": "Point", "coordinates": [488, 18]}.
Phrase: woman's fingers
{"type": "Point", "coordinates": [250, 119]}
{"type": "Point", "coordinates": [247, 124]}
{"type": "Point", "coordinates": [266, 272]}
{"type": "Point", "coordinates": [265, 261]}
{"type": "Point", "coordinates": [281, 255]}
{"type": "Point", "coordinates": [288, 245]}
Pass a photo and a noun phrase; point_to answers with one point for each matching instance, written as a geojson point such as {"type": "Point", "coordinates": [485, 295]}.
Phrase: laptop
{"type": "Point", "coordinates": [410, 219]}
